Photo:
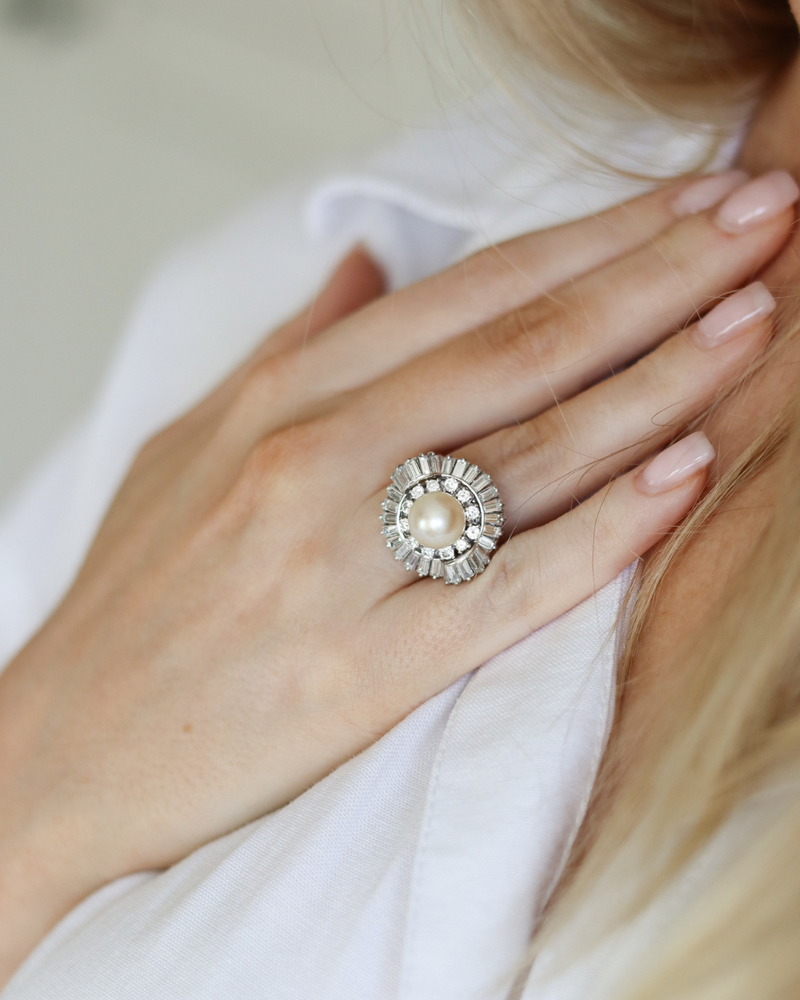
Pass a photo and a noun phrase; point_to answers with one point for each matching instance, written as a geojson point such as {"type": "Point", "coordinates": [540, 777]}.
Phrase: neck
{"type": "Point", "coordinates": [772, 141]}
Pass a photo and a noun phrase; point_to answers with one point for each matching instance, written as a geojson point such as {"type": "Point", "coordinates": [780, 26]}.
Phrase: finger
{"type": "Point", "coordinates": [547, 352]}
{"type": "Point", "coordinates": [492, 282]}
{"type": "Point", "coordinates": [540, 574]}
{"type": "Point", "coordinates": [356, 281]}
{"type": "Point", "coordinates": [543, 466]}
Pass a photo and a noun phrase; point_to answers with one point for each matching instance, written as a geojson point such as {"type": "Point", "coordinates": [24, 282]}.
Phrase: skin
{"type": "Point", "coordinates": [697, 578]}
{"type": "Point", "coordinates": [223, 639]}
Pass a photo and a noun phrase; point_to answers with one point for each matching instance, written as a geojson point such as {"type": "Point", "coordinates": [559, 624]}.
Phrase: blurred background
{"type": "Point", "coordinates": [128, 125]}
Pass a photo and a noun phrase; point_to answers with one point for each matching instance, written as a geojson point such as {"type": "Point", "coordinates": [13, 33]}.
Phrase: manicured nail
{"type": "Point", "coordinates": [676, 464]}
{"type": "Point", "coordinates": [733, 316]}
{"type": "Point", "coordinates": [757, 201]}
{"type": "Point", "coordinates": [707, 192]}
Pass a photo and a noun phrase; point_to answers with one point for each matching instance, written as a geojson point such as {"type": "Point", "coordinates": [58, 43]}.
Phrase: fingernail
{"type": "Point", "coordinates": [757, 201]}
{"type": "Point", "coordinates": [676, 464]}
{"type": "Point", "coordinates": [735, 315]}
{"type": "Point", "coordinates": [707, 192]}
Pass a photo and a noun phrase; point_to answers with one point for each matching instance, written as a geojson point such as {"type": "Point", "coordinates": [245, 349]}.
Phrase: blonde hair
{"type": "Point", "coordinates": [732, 726]}
{"type": "Point", "coordinates": [690, 59]}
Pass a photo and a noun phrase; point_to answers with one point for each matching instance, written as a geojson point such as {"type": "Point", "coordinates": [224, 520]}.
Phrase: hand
{"type": "Point", "coordinates": [239, 628]}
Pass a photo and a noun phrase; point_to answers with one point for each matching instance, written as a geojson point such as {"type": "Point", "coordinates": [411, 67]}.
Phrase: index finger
{"type": "Point", "coordinates": [391, 331]}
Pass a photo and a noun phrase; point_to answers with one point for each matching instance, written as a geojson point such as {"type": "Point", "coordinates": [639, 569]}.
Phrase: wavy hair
{"type": "Point", "coordinates": [731, 728]}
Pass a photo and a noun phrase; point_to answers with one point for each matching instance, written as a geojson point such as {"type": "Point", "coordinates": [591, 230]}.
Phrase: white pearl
{"type": "Point", "coordinates": [436, 520]}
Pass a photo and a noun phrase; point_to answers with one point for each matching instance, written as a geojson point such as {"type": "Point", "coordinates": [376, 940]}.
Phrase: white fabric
{"type": "Point", "coordinates": [416, 870]}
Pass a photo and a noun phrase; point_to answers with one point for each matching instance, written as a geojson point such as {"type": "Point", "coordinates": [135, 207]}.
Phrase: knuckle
{"type": "Point", "coordinates": [533, 452]}
{"type": "Point", "coordinates": [278, 468]}
{"type": "Point", "coordinates": [262, 384]}
{"type": "Point", "coordinates": [158, 444]}
{"type": "Point", "coordinates": [496, 270]}
{"type": "Point", "coordinates": [532, 339]}
{"type": "Point", "coordinates": [512, 592]}
{"type": "Point", "coordinates": [533, 461]}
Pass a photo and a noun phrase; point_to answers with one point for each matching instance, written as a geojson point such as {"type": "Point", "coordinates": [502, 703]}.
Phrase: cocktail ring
{"type": "Point", "coordinates": [442, 516]}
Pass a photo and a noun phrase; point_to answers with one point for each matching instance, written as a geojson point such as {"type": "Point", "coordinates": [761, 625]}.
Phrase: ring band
{"type": "Point", "coordinates": [442, 517]}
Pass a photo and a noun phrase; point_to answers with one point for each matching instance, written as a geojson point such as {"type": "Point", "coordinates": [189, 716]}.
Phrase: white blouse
{"type": "Point", "coordinates": [417, 870]}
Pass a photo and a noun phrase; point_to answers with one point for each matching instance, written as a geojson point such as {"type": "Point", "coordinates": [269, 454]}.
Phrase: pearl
{"type": "Point", "coordinates": [436, 520]}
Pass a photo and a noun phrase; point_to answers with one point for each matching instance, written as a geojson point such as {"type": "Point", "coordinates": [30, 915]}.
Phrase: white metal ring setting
{"type": "Point", "coordinates": [442, 517]}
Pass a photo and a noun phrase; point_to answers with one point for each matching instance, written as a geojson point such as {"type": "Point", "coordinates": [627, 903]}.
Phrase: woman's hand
{"type": "Point", "coordinates": [239, 628]}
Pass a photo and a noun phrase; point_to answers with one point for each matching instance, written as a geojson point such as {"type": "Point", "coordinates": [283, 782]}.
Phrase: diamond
{"type": "Point", "coordinates": [404, 524]}
{"type": "Point", "coordinates": [478, 559]}
{"type": "Point", "coordinates": [407, 505]}
{"type": "Point", "coordinates": [447, 553]}
{"type": "Point", "coordinates": [417, 492]}
{"type": "Point", "coordinates": [427, 553]}
{"type": "Point", "coordinates": [473, 532]}
{"type": "Point", "coordinates": [412, 469]}
{"type": "Point", "coordinates": [424, 565]}
{"type": "Point", "coordinates": [412, 561]}
{"type": "Point", "coordinates": [436, 568]}
{"type": "Point", "coordinates": [464, 496]}
{"type": "Point", "coordinates": [462, 545]}
{"type": "Point", "coordinates": [451, 574]}
{"type": "Point", "coordinates": [433, 485]}
{"type": "Point", "coordinates": [473, 513]}
{"type": "Point", "coordinates": [451, 485]}
{"type": "Point", "coordinates": [399, 477]}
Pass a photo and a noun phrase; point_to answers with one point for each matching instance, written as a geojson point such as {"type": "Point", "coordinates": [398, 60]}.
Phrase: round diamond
{"type": "Point", "coordinates": [417, 492]}
{"type": "Point", "coordinates": [464, 496]}
{"type": "Point", "coordinates": [447, 553]}
{"type": "Point", "coordinates": [451, 485]}
{"type": "Point", "coordinates": [428, 553]}
{"type": "Point", "coordinates": [433, 485]}
{"type": "Point", "coordinates": [473, 513]}
{"type": "Point", "coordinates": [407, 505]}
{"type": "Point", "coordinates": [473, 532]}
{"type": "Point", "coordinates": [462, 544]}
{"type": "Point", "coordinates": [404, 523]}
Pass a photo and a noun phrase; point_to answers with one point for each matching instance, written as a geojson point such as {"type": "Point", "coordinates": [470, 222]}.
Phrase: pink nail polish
{"type": "Point", "coordinates": [676, 464]}
{"type": "Point", "coordinates": [743, 311]}
{"type": "Point", "coordinates": [707, 192]}
{"type": "Point", "coordinates": [757, 202]}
